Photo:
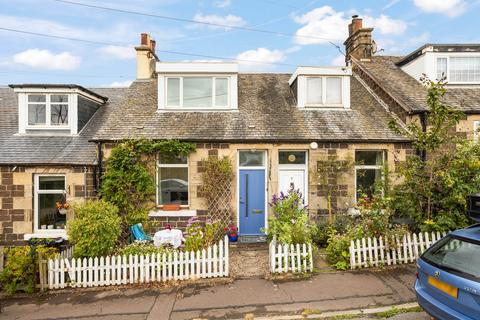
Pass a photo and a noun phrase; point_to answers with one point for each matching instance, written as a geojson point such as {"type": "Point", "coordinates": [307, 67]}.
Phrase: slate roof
{"type": "Point", "coordinates": [267, 112]}
{"type": "Point", "coordinates": [410, 93]}
{"type": "Point", "coordinates": [27, 149]}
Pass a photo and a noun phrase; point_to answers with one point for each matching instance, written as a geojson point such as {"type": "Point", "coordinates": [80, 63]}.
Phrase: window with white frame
{"type": "Point", "coordinates": [47, 110]}
{"type": "Point", "coordinates": [197, 92]}
{"type": "Point", "coordinates": [324, 91]}
{"type": "Point", "coordinates": [476, 128]}
{"type": "Point", "coordinates": [459, 69]}
{"type": "Point", "coordinates": [172, 180]}
{"type": "Point", "coordinates": [368, 172]}
{"type": "Point", "coordinates": [49, 193]}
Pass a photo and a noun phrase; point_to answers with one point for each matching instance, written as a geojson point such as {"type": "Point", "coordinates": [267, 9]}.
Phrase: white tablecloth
{"type": "Point", "coordinates": [173, 237]}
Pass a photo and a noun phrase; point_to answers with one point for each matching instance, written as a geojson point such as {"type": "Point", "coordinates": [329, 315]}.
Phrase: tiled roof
{"type": "Point", "coordinates": [27, 149]}
{"type": "Point", "coordinates": [410, 93]}
{"type": "Point", "coordinates": [266, 112]}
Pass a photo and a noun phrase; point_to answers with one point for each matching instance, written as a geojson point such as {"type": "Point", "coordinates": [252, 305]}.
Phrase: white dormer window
{"type": "Point", "coordinates": [324, 91]}
{"type": "Point", "coordinates": [197, 92]}
{"type": "Point", "coordinates": [322, 87]}
{"type": "Point", "coordinates": [197, 86]}
{"type": "Point", "coordinates": [457, 69]}
{"type": "Point", "coordinates": [48, 110]}
{"type": "Point", "coordinates": [55, 109]}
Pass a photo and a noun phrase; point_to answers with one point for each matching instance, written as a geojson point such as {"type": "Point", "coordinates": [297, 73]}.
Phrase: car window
{"type": "Point", "coordinates": [456, 255]}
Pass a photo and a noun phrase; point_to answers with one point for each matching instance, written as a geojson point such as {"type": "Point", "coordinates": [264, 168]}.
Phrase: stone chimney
{"type": "Point", "coordinates": [359, 43]}
{"type": "Point", "coordinates": [146, 57]}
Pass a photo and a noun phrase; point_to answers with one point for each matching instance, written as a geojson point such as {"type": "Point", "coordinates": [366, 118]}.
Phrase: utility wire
{"type": "Point", "coordinates": [128, 46]}
{"type": "Point", "coordinates": [192, 21]}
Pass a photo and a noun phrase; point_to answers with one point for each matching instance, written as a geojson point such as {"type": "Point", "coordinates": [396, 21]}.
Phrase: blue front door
{"type": "Point", "coordinates": [252, 201]}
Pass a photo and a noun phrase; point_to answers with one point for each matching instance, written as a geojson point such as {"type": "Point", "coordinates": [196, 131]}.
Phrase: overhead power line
{"type": "Point", "coordinates": [198, 55]}
{"type": "Point", "coordinates": [194, 21]}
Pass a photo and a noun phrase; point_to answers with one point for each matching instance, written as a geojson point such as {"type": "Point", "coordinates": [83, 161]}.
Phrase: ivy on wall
{"type": "Point", "coordinates": [129, 180]}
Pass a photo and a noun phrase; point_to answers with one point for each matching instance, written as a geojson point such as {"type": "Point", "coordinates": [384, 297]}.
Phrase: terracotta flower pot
{"type": "Point", "coordinates": [171, 207]}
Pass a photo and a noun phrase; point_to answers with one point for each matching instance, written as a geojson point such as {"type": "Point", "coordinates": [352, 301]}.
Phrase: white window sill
{"type": "Point", "coordinates": [46, 234]}
{"type": "Point", "coordinates": [175, 213]}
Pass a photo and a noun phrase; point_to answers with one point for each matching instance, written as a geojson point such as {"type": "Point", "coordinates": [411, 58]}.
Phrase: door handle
{"type": "Point", "coordinates": [246, 195]}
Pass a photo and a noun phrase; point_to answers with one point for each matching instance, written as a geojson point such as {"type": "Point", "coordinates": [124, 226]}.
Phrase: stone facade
{"type": "Point", "coordinates": [17, 196]}
{"type": "Point", "coordinates": [340, 186]}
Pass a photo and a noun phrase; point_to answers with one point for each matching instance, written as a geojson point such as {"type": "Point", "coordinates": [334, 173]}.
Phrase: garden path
{"type": "Point", "coordinates": [249, 260]}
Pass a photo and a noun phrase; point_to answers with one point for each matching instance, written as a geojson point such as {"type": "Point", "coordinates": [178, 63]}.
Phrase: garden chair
{"type": "Point", "coordinates": [138, 234]}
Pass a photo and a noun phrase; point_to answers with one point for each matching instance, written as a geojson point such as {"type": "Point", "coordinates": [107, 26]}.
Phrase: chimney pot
{"type": "Point", "coordinates": [144, 39]}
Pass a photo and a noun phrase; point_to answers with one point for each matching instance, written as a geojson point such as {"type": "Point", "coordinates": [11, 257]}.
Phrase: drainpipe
{"type": "Point", "coordinates": [100, 165]}
{"type": "Point", "coordinates": [423, 122]}
{"type": "Point", "coordinates": [85, 181]}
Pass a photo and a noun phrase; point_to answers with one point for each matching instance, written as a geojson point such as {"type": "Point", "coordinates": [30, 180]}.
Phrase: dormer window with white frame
{"type": "Point", "coordinates": [47, 111]}
{"type": "Point", "coordinates": [317, 88]}
{"type": "Point", "coordinates": [55, 109]}
{"type": "Point", "coordinates": [458, 69]}
{"type": "Point", "coordinates": [197, 86]}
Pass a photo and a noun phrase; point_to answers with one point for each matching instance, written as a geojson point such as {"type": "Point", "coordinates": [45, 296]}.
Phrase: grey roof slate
{"type": "Point", "coordinates": [411, 94]}
{"type": "Point", "coordinates": [265, 101]}
{"type": "Point", "coordinates": [18, 149]}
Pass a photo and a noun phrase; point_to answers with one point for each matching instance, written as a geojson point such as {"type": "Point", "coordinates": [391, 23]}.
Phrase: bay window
{"type": "Point", "coordinates": [172, 180]}
{"type": "Point", "coordinates": [368, 172]}
{"type": "Point", "coordinates": [197, 92]}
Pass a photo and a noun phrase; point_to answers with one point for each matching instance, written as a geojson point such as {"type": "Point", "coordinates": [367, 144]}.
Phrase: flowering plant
{"type": "Point", "coordinates": [199, 235]}
{"type": "Point", "coordinates": [60, 205]}
{"type": "Point", "coordinates": [231, 231]}
{"type": "Point", "coordinates": [290, 222]}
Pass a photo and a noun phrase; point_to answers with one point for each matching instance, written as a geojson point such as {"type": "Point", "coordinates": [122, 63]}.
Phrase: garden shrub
{"type": "Point", "coordinates": [290, 222]}
{"type": "Point", "coordinates": [338, 252]}
{"type": "Point", "coordinates": [435, 186]}
{"type": "Point", "coordinates": [20, 270]}
{"type": "Point", "coordinates": [340, 223]}
{"type": "Point", "coordinates": [95, 229]}
{"type": "Point", "coordinates": [199, 235]}
{"type": "Point", "coordinates": [142, 248]}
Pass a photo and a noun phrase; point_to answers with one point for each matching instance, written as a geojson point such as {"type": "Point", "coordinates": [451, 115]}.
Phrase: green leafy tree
{"type": "Point", "coordinates": [437, 180]}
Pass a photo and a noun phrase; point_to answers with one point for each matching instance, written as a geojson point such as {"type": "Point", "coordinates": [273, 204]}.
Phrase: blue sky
{"type": "Point", "coordinates": [400, 27]}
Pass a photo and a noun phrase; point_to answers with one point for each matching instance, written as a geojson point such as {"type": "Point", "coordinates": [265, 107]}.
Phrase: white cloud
{"type": "Point", "coordinates": [222, 3]}
{"type": "Point", "coordinates": [450, 8]}
{"type": "Point", "coordinates": [120, 84]}
{"type": "Point", "coordinates": [44, 59]}
{"type": "Point", "coordinates": [386, 25]}
{"type": "Point", "coordinates": [324, 24]}
{"type": "Point", "coordinates": [228, 20]}
{"type": "Point", "coordinates": [118, 52]}
{"type": "Point", "coordinates": [338, 61]}
{"type": "Point", "coordinates": [259, 59]}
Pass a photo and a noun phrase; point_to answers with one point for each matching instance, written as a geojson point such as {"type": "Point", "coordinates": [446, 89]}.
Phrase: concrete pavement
{"type": "Point", "coordinates": [321, 293]}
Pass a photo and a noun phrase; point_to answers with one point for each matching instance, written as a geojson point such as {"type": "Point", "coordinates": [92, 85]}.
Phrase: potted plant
{"type": "Point", "coordinates": [232, 233]}
{"type": "Point", "coordinates": [62, 207]}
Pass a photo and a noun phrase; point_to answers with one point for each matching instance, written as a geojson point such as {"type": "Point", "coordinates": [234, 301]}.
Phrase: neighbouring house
{"type": "Point", "coordinates": [276, 128]}
{"type": "Point", "coordinates": [396, 79]}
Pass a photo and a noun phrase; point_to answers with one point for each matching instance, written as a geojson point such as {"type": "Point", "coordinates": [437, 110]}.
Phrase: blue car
{"type": "Point", "coordinates": [448, 276]}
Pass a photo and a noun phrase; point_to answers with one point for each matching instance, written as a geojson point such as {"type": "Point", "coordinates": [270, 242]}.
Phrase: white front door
{"type": "Point", "coordinates": [292, 178]}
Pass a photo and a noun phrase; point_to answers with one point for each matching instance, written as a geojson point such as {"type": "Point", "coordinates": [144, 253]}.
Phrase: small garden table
{"type": "Point", "coordinates": [172, 236]}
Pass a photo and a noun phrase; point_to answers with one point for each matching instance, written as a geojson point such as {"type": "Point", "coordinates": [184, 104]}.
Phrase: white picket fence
{"type": "Point", "coordinates": [371, 252]}
{"type": "Point", "coordinates": [290, 258]}
{"type": "Point", "coordinates": [118, 270]}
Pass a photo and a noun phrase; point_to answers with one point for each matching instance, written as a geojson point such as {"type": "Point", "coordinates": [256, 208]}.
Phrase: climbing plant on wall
{"type": "Point", "coordinates": [129, 180]}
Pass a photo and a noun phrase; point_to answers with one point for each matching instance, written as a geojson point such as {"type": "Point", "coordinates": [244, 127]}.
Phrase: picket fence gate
{"type": "Point", "coordinates": [290, 258]}
{"type": "Point", "coordinates": [117, 270]}
{"type": "Point", "coordinates": [369, 252]}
